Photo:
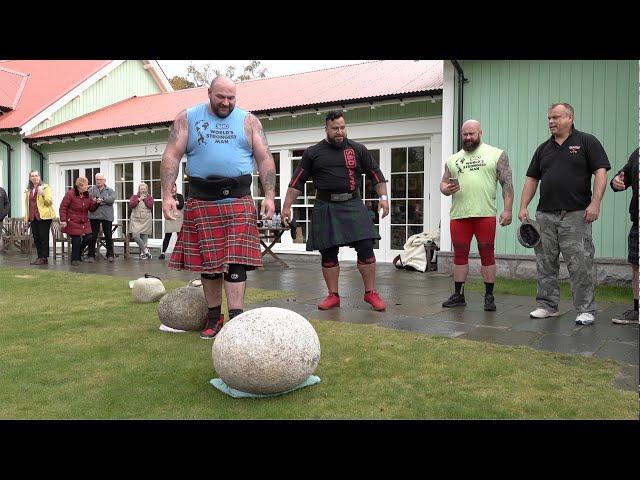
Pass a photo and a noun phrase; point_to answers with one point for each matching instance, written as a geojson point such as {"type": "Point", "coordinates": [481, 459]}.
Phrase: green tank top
{"type": "Point", "coordinates": [476, 173]}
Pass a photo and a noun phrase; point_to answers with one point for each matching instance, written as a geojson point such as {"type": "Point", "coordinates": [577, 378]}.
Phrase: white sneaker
{"type": "Point", "coordinates": [543, 313]}
{"type": "Point", "coordinates": [585, 319]}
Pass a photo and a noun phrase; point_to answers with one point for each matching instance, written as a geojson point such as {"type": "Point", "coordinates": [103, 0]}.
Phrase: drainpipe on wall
{"type": "Point", "coordinates": [461, 81]}
{"type": "Point", "coordinates": [9, 150]}
{"type": "Point", "coordinates": [41, 159]}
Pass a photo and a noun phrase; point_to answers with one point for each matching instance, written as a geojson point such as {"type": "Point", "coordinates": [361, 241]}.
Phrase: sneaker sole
{"type": "Point", "coordinates": [455, 305]}
{"type": "Point", "coordinates": [378, 309]}
{"type": "Point", "coordinates": [619, 321]}
{"type": "Point", "coordinates": [489, 309]}
{"type": "Point", "coordinates": [328, 308]}
{"type": "Point", "coordinates": [557, 314]}
{"type": "Point", "coordinates": [582, 322]}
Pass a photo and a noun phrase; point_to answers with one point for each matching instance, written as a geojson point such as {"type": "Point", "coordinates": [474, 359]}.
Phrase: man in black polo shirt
{"type": "Point", "coordinates": [564, 165]}
{"type": "Point", "coordinates": [339, 217]}
{"type": "Point", "coordinates": [625, 178]}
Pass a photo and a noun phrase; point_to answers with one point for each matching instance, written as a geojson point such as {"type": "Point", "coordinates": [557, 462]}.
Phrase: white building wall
{"type": "Point", "coordinates": [383, 135]}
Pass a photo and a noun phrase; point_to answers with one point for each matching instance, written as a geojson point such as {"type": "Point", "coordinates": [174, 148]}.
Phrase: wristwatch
{"type": "Point", "coordinates": [383, 197]}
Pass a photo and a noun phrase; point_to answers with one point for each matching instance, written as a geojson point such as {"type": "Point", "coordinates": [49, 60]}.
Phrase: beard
{"type": "Point", "coordinates": [470, 145]}
{"type": "Point", "coordinates": [217, 113]}
{"type": "Point", "coordinates": [336, 143]}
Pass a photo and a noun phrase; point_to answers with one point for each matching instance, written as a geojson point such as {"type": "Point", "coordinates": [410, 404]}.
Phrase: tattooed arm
{"type": "Point", "coordinates": [176, 148]}
{"type": "Point", "coordinates": [265, 163]}
{"type": "Point", "coordinates": [503, 171]}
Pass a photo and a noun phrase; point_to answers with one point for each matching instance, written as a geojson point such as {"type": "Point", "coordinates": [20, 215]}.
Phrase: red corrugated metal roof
{"type": "Point", "coordinates": [46, 82]}
{"type": "Point", "coordinates": [11, 87]}
{"type": "Point", "coordinates": [341, 84]}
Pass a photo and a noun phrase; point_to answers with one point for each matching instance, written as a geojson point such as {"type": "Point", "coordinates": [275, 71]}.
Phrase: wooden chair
{"type": "Point", "coordinates": [59, 237]}
{"type": "Point", "coordinates": [4, 234]}
{"type": "Point", "coordinates": [124, 238]}
{"type": "Point", "coordinates": [16, 232]}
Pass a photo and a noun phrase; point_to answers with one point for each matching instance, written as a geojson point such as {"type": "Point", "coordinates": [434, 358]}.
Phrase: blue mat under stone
{"type": "Point", "coordinates": [224, 388]}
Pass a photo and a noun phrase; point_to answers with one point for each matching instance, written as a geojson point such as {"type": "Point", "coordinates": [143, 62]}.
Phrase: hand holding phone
{"type": "Point", "coordinates": [453, 185]}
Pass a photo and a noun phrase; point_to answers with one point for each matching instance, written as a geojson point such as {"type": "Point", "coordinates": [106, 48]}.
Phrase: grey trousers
{"type": "Point", "coordinates": [141, 240]}
{"type": "Point", "coordinates": [570, 235]}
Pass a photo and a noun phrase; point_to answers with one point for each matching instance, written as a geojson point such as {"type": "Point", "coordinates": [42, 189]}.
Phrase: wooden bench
{"type": "Point", "coordinates": [16, 233]}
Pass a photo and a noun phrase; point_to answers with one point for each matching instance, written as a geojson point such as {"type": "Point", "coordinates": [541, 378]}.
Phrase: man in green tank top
{"type": "Point", "coordinates": [470, 175]}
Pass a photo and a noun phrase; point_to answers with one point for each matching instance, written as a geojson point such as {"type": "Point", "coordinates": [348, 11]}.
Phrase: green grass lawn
{"type": "Point", "coordinates": [528, 288]}
{"type": "Point", "coordinates": [74, 346]}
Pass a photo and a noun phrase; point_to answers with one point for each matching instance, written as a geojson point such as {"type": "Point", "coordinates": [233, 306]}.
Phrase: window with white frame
{"type": "Point", "coordinates": [91, 173]}
{"type": "Point", "coordinates": [124, 191]}
{"type": "Point", "coordinates": [303, 205]}
{"type": "Point", "coordinates": [70, 177]}
{"type": "Point", "coordinates": [256, 187]}
{"type": "Point", "coordinates": [407, 194]}
{"type": "Point", "coordinates": [151, 176]}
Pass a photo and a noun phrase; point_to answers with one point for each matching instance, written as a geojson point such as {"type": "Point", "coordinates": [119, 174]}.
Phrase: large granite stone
{"type": "Point", "coordinates": [266, 350]}
{"type": "Point", "coordinates": [184, 308]}
{"type": "Point", "coordinates": [147, 290]}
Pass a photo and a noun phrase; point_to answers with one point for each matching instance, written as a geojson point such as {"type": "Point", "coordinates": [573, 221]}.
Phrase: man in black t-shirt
{"type": "Point", "coordinates": [625, 178]}
{"type": "Point", "coordinates": [339, 216]}
{"type": "Point", "coordinates": [564, 165]}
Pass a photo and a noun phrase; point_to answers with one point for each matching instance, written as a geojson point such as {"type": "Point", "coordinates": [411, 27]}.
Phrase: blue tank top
{"type": "Point", "coordinates": [217, 146]}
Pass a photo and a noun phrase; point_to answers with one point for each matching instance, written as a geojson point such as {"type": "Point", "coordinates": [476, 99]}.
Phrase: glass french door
{"type": "Point", "coordinates": [408, 189]}
{"type": "Point", "coordinates": [72, 174]}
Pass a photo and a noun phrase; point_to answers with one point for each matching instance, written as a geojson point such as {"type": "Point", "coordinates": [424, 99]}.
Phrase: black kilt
{"type": "Point", "coordinates": [340, 224]}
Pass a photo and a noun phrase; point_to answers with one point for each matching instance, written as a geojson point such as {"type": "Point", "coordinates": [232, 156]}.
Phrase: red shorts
{"type": "Point", "coordinates": [216, 235]}
{"type": "Point", "coordinates": [463, 229]}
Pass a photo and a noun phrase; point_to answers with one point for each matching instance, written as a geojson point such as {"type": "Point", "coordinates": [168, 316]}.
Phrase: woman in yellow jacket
{"type": "Point", "coordinates": [39, 213]}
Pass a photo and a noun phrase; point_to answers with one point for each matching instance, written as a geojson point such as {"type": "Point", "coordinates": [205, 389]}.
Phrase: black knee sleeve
{"type": "Point", "coordinates": [237, 273]}
{"type": "Point", "coordinates": [210, 276]}
{"type": "Point", "coordinates": [329, 257]}
{"type": "Point", "coordinates": [364, 249]}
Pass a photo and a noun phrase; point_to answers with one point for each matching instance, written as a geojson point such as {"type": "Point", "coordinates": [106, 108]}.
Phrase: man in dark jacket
{"type": "Point", "coordinates": [5, 206]}
{"type": "Point", "coordinates": [625, 178]}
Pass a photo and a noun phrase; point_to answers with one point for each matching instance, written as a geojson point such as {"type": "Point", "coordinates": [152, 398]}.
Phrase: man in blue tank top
{"type": "Point", "coordinates": [219, 236]}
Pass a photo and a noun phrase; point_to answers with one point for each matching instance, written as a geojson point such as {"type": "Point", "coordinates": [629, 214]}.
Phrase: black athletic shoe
{"type": "Point", "coordinates": [161, 257]}
{"type": "Point", "coordinates": [455, 300]}
{"type": "Point", "coordinates": [489, 305]}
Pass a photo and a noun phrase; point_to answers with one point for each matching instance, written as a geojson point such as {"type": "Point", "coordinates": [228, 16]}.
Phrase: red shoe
{"type": "Point", "coordinates": [212, 329]}
{"type": "Point", "coordinates": [331, 301]}
{"type": "Point", "coordinates": [374, 299]}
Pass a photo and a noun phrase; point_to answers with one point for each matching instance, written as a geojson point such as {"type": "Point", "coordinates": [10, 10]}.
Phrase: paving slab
{"type": "Point", "coordinates": [622, 352]}
{"type": "Point", "coordinates": [565, 344]}
{"type": "Point", "coordinates": [502, 336]}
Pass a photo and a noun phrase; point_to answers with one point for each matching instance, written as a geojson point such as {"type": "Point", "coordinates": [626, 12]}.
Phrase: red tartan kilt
{"type": "Point", "coordinates": [215, 235]}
